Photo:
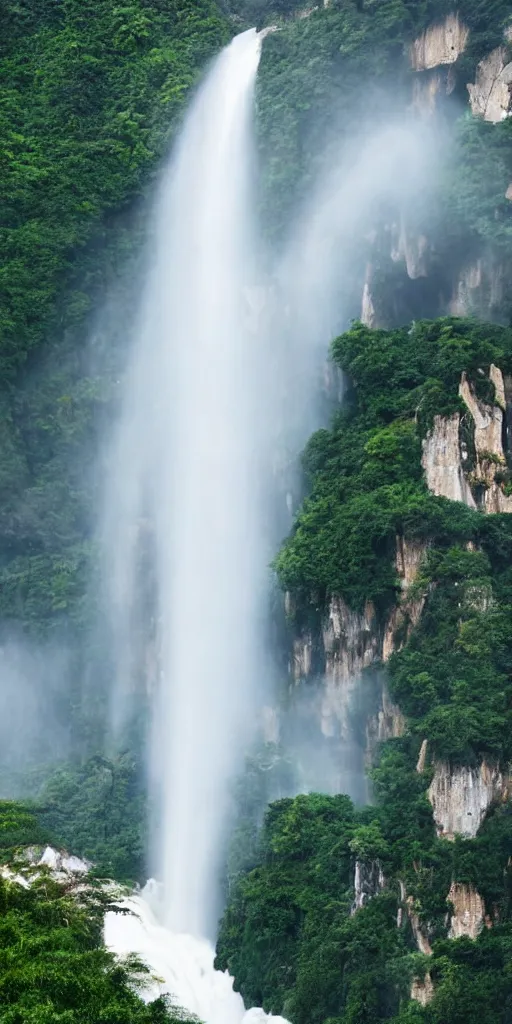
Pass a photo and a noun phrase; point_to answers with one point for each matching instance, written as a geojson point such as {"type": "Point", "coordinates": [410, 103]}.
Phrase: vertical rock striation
{"type": "Point", "coordinates": [461, 796]}
{"type": "Point", "coordinates": [369, 881]}
{"type": "Point", "coordinates": [468, 915]}
{"type": "Point", "coordinates": [440, 44]}
{"type": "Point", "coordinates": [445, 459]}
{"type": "Point", "coordinates": [490, 95]}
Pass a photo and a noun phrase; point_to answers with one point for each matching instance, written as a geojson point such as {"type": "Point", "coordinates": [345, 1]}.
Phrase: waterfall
{"type": "Point", "coordinates": [183, 488]}
{"type": "Point", "coordinates": [180, 965]}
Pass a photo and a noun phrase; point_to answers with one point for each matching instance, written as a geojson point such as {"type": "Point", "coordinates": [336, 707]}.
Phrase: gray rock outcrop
{"type": "Point", "coordinates": [490, 95]}
{"type": "Point", "coordinates": [439, 44]}
{"type": "Point", "coordinates": [461, 796]}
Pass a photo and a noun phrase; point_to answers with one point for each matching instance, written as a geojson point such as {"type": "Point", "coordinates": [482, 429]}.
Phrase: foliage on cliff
{"type": "Point", "coordinates": [292, 944]}
{"type": "Point", "coordinates": [53, 964]}
{"type": "Point", "coordinates": [453, 680]}
{"type": "Point", "coordinates": [327, 75]}
{"type": "Point", "coordinates": [453, 677]}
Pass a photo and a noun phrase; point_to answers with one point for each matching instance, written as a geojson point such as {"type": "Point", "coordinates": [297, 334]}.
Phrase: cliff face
{"type": "Point", "coordinates": [348, 643]}
{"type": "Point", "coordinates": [451, 471]}
{"type": "Point", "coordinates": [439, 44]}
{"type": "Point", "coordinates": [468, 912]}
{"type": "Point", "coordinates": [461, 797]}
{"type": "Point", "coordinates": [369, 881]}
{"type": "Point", "coordinates": [490, 96]}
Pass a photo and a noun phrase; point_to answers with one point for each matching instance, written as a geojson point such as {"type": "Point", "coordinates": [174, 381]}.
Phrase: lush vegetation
{"type": "Point", "coordinates": [92, 93]}
{"type": "Point", "coordinates": [292, 943]}
{"type": "Point", "coordinates": [92, 96]}
{"type": "Point", "coordinates": [54, 968]}
{"type": "Point", "coordinates": [288, 934]}
{"type": "Point", "coordinates": [98, 810]}
{"type": "Point", "coordinates": [344, 68]}
{"type": "Point", "coordinates": [453, 677]}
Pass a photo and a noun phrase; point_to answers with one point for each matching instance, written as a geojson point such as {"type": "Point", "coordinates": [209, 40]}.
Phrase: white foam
{"type": "Point", "coordinates": [180, 965]}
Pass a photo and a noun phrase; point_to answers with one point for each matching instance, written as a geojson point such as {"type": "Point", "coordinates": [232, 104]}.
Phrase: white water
{"type": "Point", "coordinates": [180, 965]}
{"type": "Point", "coordinates": [185, 462]}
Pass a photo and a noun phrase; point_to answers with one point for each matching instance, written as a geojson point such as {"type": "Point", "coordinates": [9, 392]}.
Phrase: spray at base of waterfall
{"type": "Point", "coordinates": [180, 965]}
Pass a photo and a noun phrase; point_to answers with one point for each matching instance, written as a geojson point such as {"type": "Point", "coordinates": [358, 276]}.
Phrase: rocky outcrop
{"type": "Point", "coordinates": [461, 796]}
{"type": "Point", "coordinates": [30, 861]}
{"type": "Point", "coordinates": [488, 421]}
{"type": "Point", "coordinates": [368, 315]}
{"type": "Point", "coordinates": [439, 44]}
{"type": "Point", "coordinates": [302, 656]}
{"type": "Point", "coordinates": [468, 914]}
{"type": "Point", "coordinates": [422, 757]}
{"type": "Point", "coordinates": [467, 287]}
{"type": "Point", "coordinates": [351, 643]}
{"type": "Point", "coordinates": [445, 459]}
{"type": "Point", "coordinates": [422, 990]}
{"type": "Point", "coordinates": [419, 933]}
{"type": "Point", "coordinates": [387, 724]}
{"type": "Point", "coordinates": [442, 461]}
{"type": "Point", "coordinates": [490, 96]}
{"type": "Point", "coordinates": [480, 287]}
{"type": "Point", "coordinates": [412, 249]}
{"type": "Point", "coordinates": [369, 881]}
{"type": "Point", "coordinates": [406, 615]}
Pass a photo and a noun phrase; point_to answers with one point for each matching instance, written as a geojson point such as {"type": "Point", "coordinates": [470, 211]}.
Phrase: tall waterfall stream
{"type": "Point", "coordinates": [186, 456]}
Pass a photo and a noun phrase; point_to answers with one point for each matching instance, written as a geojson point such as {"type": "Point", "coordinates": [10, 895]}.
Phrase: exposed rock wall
{"type": "Point", "coordinates": [428, 88]}
{"type": "Point", "coordinates": [387, 724]}
{"type": "Point", "coordinates": [419, 933]}
{"type": "Point", "coordinates": [461, 797]}
{"type": "Point", "coordinates": [468, 916]}
{"type": "Point", "coordinates": [351, 642]}
{"type": "Point", "coordinates": [488, 420]}
{"type": "Point", "coordinates": [412, 249]}
{"type": "Point", "coordinates": [368, 315]}
{"type": "Point", "coordinates": [445, 460]}
{"type": "Point", "coordinates": [369, 881]}
{"type": "Point", "coordinates": [442, 461]}
{"type": "Point", "coordinates": [467, 288]}
{"type": "Point", "coordinates": [439, 44]}
{"type": "Point", "coordinates": [490, 96]}
{"type": "Point", "coordinates": [302, 656]}
{"type": "Point", "coordinates": [422, 990]}
{"type": "Point", "coordinates": [406, 614]}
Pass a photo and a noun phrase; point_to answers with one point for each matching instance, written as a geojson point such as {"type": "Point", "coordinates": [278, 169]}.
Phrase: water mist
{"type": "Point", "coordinates": [185, 463]}
{"type": "Point", "coordinates": [207, 404]}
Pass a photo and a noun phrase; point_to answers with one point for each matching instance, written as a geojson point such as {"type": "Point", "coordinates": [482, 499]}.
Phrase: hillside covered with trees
{"type": "Point", "coordinates": [334, 912]}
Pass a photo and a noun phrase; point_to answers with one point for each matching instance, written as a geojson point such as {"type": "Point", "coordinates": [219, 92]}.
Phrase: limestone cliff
{"type": "Point", "coordinates": [369, 881]}
{"type": "Point", "coordinates": [447, 462]}
{"type": "Point", "coordinates": [407, 612]}
{"type": "Point", "coordinates": [412, 249]}
{"type": "Point", "coordinates": [442, 461]}
{"type": "Point", "coordinates": [368, 315]}
{"type": "Point", "coordinates": [349, 642]}
{"type": "Point", "coordinates": [490, 95]}
{"type": "Point", "coordinates": [468, 913]}
{"type": "Point", "coordinates": [461, 797]}
{"type": "Point", "coordinates": [439, 44]}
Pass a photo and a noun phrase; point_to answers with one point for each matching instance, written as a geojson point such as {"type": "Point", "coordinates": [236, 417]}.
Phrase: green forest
{"type": "Point", "coordinates": [93, 94]}
{"type": "Point", "coordinates": [288, 936]}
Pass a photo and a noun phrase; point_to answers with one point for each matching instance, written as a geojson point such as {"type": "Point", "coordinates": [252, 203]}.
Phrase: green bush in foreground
{"type": "Point", "coordinates": [54, 967]}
